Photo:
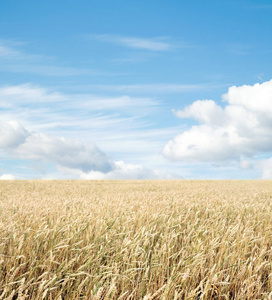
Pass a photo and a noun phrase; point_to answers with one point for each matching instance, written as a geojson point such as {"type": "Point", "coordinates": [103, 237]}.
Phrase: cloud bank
{"type": "Point", "coordinates": [22, 144]}
{"type": "Point", "coordinates": [121, 170]}
{"type": "Point", "coordinates": [239, 130]}
{"type": "Point", "coordinates": [84, 161]}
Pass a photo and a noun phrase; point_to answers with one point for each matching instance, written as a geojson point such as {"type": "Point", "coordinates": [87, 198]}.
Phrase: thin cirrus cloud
{"type": "Point", "coordinates": [48, 109]}
{"type": "Point", "coordinates": [238, 48]}
{"type": "Point", "coordinates": [17, 61]}
{"type": "Point", "coordinates": [150, 44]}
{"type": "Point", "coordinates": [239, 131]}
{"type": "Point", "coordinates": [17, 96]}
{"type": "Point", "coordinates": [158, 88]}
{"type": "Point", "coordinates": [47, 70]}
{"type": "Point", "coordinates": [53, 119]}
{"type": "Point", "coordinates": [9, 51]}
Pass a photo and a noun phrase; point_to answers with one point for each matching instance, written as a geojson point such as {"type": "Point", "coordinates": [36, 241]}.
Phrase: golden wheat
{"type": "Point", "coordinates": [135, 240]}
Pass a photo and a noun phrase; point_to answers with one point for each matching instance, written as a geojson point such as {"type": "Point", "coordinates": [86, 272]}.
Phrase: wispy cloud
{"type": "Point", "coordinates": [49, 70]}
{"type": "Point", "coordinates": [20, 95]}
{"type": "Point", "coordinates": [8, 52]}
{"type": "Point", "coordinates": [17, 61]}
{"type": "Point", "coordinates": [11, 50]}
{"type": "Point", "coordinates": [157, 88]}
{"type": "Point", "coordinates": [151, 44]}
{"type": "Point", "coordinates": [122, 126]}
{"type": "Point", "coordinates": [88, 116]}
{"type": "Point", "coordinates": [238, 48]}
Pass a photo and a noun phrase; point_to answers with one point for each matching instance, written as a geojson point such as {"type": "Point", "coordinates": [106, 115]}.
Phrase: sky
{"type": "Point", "coordinates": [135, 89]}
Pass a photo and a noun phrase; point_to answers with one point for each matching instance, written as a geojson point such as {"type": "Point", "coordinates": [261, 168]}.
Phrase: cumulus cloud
{"type": "Point", "coordinates": [241, 129]}
{"type": "Point", "coordinates": [64, 152]}
{"type": "Point", "coordinates": [84, 161]}
{"type": "Point", "coordinates": [265, 166]}
{"type": "Point", "coordinates": [246, 164]}
{"type": "Point", "coordinates": [121, 170]}
{"type": "Point", "coordinates": [256, 98]}
{"type": "Point", "coordinates": [204, 111]}
{"type": "Point", "coordinates": [120, 125]}
{"type": "Point", "coordinates": [22, 144]}
{"type": "Point", "coordinates": [12, 134]}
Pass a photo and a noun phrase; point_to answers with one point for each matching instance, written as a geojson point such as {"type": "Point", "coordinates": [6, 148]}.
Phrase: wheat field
{"type": "Point", "coordinates": [136, 240]}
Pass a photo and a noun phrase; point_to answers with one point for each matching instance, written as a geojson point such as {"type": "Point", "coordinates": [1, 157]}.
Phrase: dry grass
{"type": "Point", "coordinates": [135, 240]}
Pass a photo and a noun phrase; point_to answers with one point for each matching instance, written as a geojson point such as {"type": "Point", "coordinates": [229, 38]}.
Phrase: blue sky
{"type": "Point", "coordinates": [135, 89]}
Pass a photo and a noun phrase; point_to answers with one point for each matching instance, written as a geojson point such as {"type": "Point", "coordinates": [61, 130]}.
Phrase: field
{"type": "Point", "coordinates": [135, 240]}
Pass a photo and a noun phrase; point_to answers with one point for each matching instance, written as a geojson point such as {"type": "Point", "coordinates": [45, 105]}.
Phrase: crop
{"type": "Point", "coordinates": [135, 240]}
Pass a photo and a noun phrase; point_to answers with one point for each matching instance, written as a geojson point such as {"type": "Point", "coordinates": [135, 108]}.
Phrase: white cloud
{"type": "Point", "coordinates": [85, 161]}
{"type": "Point", "coordinates": [49, 70]}
{"type": "Point", "coordinates": [8, 52]}
{"type": "Point", "coordinates": [48, 110]}
{"type": "Point", "coordinates": [242, 129]}
{"type": "Point", "coordinates": [204, 111]}
{"type": "Point", "coordinates": [20, 95]}
{"type": "Point", "coordinates": [118, 124]}
{"type": "Point", "coordinates": [246, 164]}
{"type": "Point", "coordinates": [124, 127]}
{"type": "Point", "coordinates": [156, 88]}
{"type": "Point", "coordinates": [151, 44]}
{"type": "Point", "coordinates": [17, 61]}
{"type": "Point", "coordinates": [265, 166]}
{"type": "Point", "coordinates": [7, 177]}
{"type": "Point", "coordinates": [121, 103]}
{"type": "Point", "coordinates": [121, 170]}
{"type": "Point", "coordinates": [64, 152]}
{"type": "Point", "coordinates": [22, 144]}
{"type": "Point", "coordinates": [12, 135]}
{"type": "Point", "coordinates": [256, 98]}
